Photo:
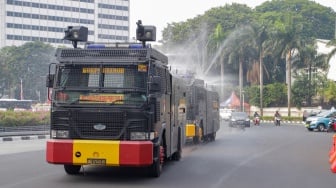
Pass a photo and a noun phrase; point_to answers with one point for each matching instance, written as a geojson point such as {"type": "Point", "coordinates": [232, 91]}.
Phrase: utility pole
{"type": "Point", "coordinates": [21, 90]}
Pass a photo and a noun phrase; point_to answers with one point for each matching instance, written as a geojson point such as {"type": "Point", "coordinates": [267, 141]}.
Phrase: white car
{"type": "Point", "coordinates": [225, 114]}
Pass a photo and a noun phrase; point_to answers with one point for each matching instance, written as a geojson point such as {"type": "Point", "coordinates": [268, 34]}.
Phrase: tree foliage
{"type": "Point", "coordinates": [274, 94]}
{"type": "Point", "coordinates": [25, 66]}
{"type": "Point", "coordinates": [281, 31]}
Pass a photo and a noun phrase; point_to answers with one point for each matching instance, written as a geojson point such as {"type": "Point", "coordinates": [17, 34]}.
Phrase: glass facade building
{"type": "Point", "coordinates": [45, 20]}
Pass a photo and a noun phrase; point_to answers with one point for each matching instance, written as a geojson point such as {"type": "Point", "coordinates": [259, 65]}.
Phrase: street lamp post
{"type": "Point", "coordinates": [21, 89]}
{"type": "Point", "coordinates": [243, 100]}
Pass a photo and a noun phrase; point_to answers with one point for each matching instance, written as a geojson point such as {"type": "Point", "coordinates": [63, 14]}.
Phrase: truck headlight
{"type": "Point", "coordinates": [142, 135]}
{"type": "Point", "coordinates": [59, 134]}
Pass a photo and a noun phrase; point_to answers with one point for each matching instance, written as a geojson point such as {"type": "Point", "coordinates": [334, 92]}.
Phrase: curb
{"type": "Point", "coordinates": [17, 138]}
{"type": "Point", "coordinates": [294, 122]}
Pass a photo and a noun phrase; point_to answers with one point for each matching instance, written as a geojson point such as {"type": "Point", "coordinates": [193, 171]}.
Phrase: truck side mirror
{"type": "Point", "coordinates": [50, 80]}
{"type": "Point", "coordinates": [154, 84]}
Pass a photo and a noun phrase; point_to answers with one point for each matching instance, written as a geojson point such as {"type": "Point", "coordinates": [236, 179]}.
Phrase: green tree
{"type": "Point", "coordinates": [253, 95]}
{"type": "Point", "coordinates": [275, 94]}
{"type": "Point", "coordinates": [299, 90]}
{"type": "Point", "coordinates": [317, 20]}
{"type": "Point", "coordinates": [26, 67]}
{"type": "Point", "coordinates": [241, 45]}
{"type": "Point", "coordinates": [288, 33]}
{"type": "Point", "coordinates": [310, 61]}
{"type": "Point", "coordinates": [333, 51]}
{"type": "Point", "coordinates": [330, 93]}
{"type": "Point", "coordinates": [262, 46]}
{"type": "Point", "coordinates": [215, 42]}
{"type": "Point", "coordinates": [5, 73]}
{"type": "Point", "coordinates": [280, 29]}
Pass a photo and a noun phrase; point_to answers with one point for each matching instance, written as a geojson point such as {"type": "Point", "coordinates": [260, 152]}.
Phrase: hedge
{"type": "Point", "coordinates": [23, 118]}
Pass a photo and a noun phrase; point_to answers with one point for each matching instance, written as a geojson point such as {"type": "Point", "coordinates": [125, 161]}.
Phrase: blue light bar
{"type": "Point", "coordinates": [95, 46]}
{"type": "Point", "coordinates": [117, 45]}
{"type": "Point", "coordinates": [135, 46]}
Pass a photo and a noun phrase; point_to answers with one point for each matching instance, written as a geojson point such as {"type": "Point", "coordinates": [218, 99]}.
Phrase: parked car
{"type": "Point", "coordinates": [225, 113]}
{"type": "Point", "coordinates": [239, 118]}
{"type": "Point", "coordinates": [320, 121]}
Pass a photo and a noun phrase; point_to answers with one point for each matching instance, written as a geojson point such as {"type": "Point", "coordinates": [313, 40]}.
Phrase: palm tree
{"type": "Point", "coordinates": [261, 40]}
{"type": "Point", "coordinates": [260, 46]}
{"type": "Point", "coordinates": [333, 52]}
{"type": "Point", "coordinates": [310, 59]}
{"type": "Point", "coordinates": [289, 40]}
{"type": "Point", "coordinates": [240, 46]}
{"type": "Point", "coordinates": [215, 44]}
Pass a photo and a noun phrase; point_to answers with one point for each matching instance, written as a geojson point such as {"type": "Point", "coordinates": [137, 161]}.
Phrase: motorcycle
{"type": "Point", "coordinates": [332, 125]}
{"type": "Point", "coordinates": [256, 120]}
{"type": "Point", "coordinates": [277, 121]}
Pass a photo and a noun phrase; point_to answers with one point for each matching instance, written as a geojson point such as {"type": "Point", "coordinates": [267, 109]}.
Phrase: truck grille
{"type": "Point", "coordinates": [105, 125]}
{"type": "Point", "coordinates": [84, 123]}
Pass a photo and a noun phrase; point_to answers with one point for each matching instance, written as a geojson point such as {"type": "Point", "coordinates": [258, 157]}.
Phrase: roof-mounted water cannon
{"type": "Point", "coordinates": [145, 33]}
{"type": "Point", "coordinates": [75, 34]}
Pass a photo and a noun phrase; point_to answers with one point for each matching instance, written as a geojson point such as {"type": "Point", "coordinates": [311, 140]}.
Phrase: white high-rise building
{"type": "Point", "coordinates": [46, 20]}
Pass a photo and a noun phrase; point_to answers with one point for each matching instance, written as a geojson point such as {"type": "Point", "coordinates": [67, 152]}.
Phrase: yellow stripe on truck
{"type": "Point", "coordinates": [96, 149]}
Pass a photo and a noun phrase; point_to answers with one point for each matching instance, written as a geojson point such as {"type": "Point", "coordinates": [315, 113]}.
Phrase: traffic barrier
{"type": "Point", "coordinates": [333, 167]}
{"type": "Point", "coordinates": [332, 158]}
{"type": "Point", "coordinates": [333, 146]}
{"type": "Point", "coordinates": [332, 155]}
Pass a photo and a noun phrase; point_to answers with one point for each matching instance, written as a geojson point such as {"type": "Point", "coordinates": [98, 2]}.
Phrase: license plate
{"type": "Point", "coordinates": [96, 161]}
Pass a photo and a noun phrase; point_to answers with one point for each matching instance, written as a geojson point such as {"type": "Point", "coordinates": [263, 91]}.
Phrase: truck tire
{"type": "Point", "coordinates": [196, 140]}
{"type": "Point", "coordinates": [177, 155]}
{"type": "Point", "coordinates": [156, 168]}
{"type": "Point", "coordinates": [213, 136]}
{"type": "Point", "coordinates": [72, 169]}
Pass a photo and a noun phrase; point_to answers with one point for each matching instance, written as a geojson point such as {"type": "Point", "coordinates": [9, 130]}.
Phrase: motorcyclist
{"type": "Point", "coordinates": [277, 118]}
{"type": "Point", "coordinates": [256, 118]}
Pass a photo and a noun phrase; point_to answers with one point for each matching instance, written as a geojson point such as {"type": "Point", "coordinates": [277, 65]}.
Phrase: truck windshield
{"type": "Point", "coordinates": [101, 84]}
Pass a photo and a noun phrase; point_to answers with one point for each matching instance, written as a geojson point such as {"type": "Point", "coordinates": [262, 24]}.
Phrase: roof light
{"type": "Point", "coordinates": [116, 45]}
{"type": "Point", "coordinates": [135, 46]}
{"type": "Point", "coordinates": [95, 46]}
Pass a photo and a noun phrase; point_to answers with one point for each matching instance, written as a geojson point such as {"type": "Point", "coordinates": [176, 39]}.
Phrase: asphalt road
{"type": "Point", "coordinates": [258, 157]}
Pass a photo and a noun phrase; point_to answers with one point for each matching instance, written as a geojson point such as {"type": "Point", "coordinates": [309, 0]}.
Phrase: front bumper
{"type": "Point", "coordinates": [113, 153]}
{"type": "Point", "coordinates": [240, 122]}
{"type": "Point", "coordinates": [311, 125]}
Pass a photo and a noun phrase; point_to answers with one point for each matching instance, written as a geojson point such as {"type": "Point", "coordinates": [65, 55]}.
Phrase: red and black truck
{"type": "Point", "coordinates": [112, 105]}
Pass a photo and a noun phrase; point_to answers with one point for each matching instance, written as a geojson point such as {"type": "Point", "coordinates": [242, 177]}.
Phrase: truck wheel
{"type": "Point", "coordinates": [213, 136]}
{"type": "Point", "coordinates": [156, 168]}
{"type": "Point", "coordinates": [321, 127]}
{"type": "Point", "coordinates": [196, 140]}
{"type": "Point", "coordinates": [72, 169]}
{"type": "Point", "coordinates": [177, 155]}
